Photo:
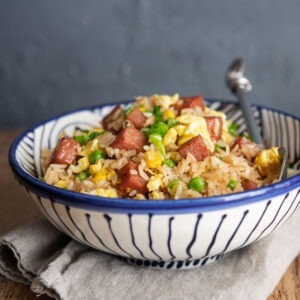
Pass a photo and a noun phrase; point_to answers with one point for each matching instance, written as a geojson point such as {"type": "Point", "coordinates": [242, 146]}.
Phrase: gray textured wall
{"type": "Point", "coordinates": [60, 55]}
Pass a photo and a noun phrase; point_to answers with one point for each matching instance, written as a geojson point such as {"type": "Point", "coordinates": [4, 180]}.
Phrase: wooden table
{"type": "Point", "coordinates": [16, 209]}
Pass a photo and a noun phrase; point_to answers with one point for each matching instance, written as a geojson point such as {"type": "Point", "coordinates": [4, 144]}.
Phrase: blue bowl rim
{"type": "Point", "coordinates": [72, 198]}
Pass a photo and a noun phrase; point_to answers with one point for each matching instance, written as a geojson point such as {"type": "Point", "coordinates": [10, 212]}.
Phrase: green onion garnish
{"type": "Point", "coordinates": [157, 113]}
{"type": "Point", "coordinates": [159, 128]}
{"type": "Point", "coordinates": [171, 122]}
{"type": "Point", "coordinates": [94, 134]}
{"type": "Point", "coordinates": [197, 184]}
{"type": "Point", "coordinates": [246, 135]}
{"type": "Point", "coordinates": [217, 147]}
{"type": "Point", "coordinates": [128, 110]}
{"type": "Point", "coordinates": [232, 128]}
{"type": "Point", "coordinates": [156, 140]}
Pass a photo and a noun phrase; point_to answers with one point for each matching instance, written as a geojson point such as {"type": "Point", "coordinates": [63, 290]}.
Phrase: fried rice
{"type": "Point", "coordinates": [183, 150]}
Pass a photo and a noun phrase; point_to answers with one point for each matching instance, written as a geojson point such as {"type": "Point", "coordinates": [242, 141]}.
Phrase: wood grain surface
{"type": "Point", "coordinates": [16, 209]}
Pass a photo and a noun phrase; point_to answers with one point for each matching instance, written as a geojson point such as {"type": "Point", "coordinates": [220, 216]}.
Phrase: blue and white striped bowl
{"type": "Point", "coordinates": [164, 234]}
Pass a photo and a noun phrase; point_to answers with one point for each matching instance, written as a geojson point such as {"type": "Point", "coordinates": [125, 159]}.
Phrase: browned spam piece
{"type": "Point", "coordinates": [248, 184]}
{"type": "Point", "coordinates": [243, 142]}
{"type": "Point", "coordinates": [193, 102]}
{"type": "Point", "coordinates": [129, 181]}
{"type": "Point", "coordinates": [130, 139]}
{"type": "Point", "coordinates": [190, 102]}
{"type": "Point", "coordinates": [137, 118]}
{"type": "Point", "coordinates": [196, 147]}
{"type": "Point", "coordinates": [214, 126]}
{"type": "Point", "coordinates": [114, 120]}
{"type": "Point", "coordinates": [65, 151]}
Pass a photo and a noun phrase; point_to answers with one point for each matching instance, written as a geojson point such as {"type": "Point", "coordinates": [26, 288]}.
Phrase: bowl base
{"type": "Point", "coordinates": [173, 264]}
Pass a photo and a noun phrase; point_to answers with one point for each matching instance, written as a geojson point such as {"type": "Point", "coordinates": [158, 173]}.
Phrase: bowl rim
{"type": "Point", "coordinates": [93, 202]}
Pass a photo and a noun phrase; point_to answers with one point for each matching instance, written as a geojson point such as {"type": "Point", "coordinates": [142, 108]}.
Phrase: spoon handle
{"type": "Point", "coordinates": [248, 115]}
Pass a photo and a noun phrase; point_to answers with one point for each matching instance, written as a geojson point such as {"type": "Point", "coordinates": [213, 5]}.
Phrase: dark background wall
{"type": "Point", "coordinates": [60, 55]}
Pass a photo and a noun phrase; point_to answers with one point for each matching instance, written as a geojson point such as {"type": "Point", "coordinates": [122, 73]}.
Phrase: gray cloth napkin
{"type": "Point", "coordinates": [39, 255]}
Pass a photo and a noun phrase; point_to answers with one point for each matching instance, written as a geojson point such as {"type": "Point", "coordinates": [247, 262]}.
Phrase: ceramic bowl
{"type": "Point", "coordinates": [172, 234]}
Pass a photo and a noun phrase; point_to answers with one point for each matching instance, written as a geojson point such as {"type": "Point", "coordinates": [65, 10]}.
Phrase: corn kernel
{"type": "Point", "coordinates": [101, 175]}
{"type": "Point", "coordinates": [111, 193]}
{"type": "Point", "coordinates": [61, 184]}
{"type": "Point", "coordinates": [142, 108]}
{"type": "Point", "coordinates": [168, 114]}
{"type": "Point", "coordinates": [95, 167]}
{"type": "Point", "coordinates": [83, 164]}
{"type": "Point", "coordinates": [153, 159]}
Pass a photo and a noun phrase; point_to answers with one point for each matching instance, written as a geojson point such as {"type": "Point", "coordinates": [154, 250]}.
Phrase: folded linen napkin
{"type": "Point", "coordinates": [39, 255]}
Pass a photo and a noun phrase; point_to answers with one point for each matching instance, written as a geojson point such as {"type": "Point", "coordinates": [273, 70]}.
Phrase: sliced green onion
{"type": "Point", "coordinates": [156, 140]}
{"type": "Point", "coordinates": [232, 128]}
{"type": "Point", "coordinates": [94, 134]}
{"type": "Point", "coordinates": [171, 122]}
{"type": "Point", "coordinates": [157, 113]}
{"type": "Point", "coordinates": [96, 155]}
{"type": "Point", "coordinates": [146, 130]}
{"type": "Point", "coordinates": [217, 147]}
{"type": "Point", "coordinates": [169, 162]}
{"type": "Point", "coordinates": [159, 128]}
{"type": "Point", "coordinates": [42, 179]}
{"type": "Point", "coordinates": [173, 184]}
{"type": "Point", "coordinates": [83, 175]}
{"type": "Point", "coordinates": [246, 135]}
{"type": "Point", "coordinates": [128, 110]}
{"type": "Point", "coordinates": [197, 184]}
{"type": "Point", "coordinates": [232, 184]}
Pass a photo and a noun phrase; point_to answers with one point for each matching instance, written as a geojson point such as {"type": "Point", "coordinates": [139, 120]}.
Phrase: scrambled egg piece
{"type": "Point", "coordinates": [83, 164]}
{"type": "Point", "coordinates": [153, 159]}
{"type": "Point", "coordinates": [170, 137]}
{"type": "Point", "coordinates": [111, 193]}
{"type": "Point", "coordinates": [61, 184]}
{"type": "Point", "coordinates": [194, 126]}
{"type": "Point", "coordinates": [165, 101]}
{"type": "Point", "coordinates": [268, 161]}
{"type": "Point", "coordinates": [89, 148]}
{"type": "Point", "coordinates": [154, 182]}
{"type": "Point", "coordinates": [157, 195]}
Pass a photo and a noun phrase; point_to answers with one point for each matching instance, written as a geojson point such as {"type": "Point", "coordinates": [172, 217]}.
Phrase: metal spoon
{"type": "Point", "coordinates": [240, 85]}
